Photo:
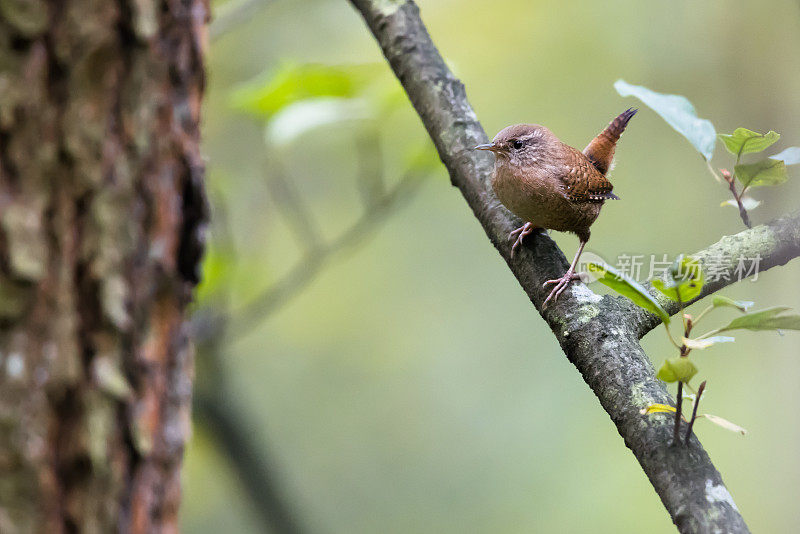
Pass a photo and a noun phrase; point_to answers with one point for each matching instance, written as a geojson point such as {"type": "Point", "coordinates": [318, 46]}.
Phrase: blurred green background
{"type": "Point", "coordinates": [411, 386]}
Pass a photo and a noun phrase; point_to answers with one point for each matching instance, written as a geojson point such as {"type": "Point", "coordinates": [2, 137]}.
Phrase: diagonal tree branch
{"type": "Point", "coordinates": [599, 335]}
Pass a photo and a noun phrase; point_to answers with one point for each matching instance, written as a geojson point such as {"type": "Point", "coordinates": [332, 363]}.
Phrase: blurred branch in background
{"type": "Point", "coordinates": [293, 100]}
{"type": "Point", "coordinates": [213, 325]}
{"type": "Point", "coordinates": [293, 209]}
{"type": "Point", "coordinates": [214, 410]}
{"type": "Point", "coordinates": [232, 13]}
{"type": "Point", "coordinates": [250, 459]}
{"type": "Point", "coordinates": [317, 257]}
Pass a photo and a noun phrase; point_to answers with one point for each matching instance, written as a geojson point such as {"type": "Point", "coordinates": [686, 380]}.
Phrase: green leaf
{"type": "Point", "coordinates": [769, 319]}
{"type": "Point", "coordinates": [293, 82]}
{"type": "Point", "coordinates": [744, 141]}
{"type": "Point", "coordinates": [627, 287]}
{"type": "Point", "coordinates": [666, 373]}
{"type": "Point", "coordinates": [749, 203]}
{"type": "Point", "coordinates": [684, 278]}
{"type": "Point", "coordinates": [675, 369]}
{"type": "Point", "coordinates": [701, 344]}
{"type": "Point", "coordinates": [765, 172]}
{"type": "Point", "coordinates": [790, 156]}
{"type": "Point", "coordinates": [742, 305]}
{"type": "Point", "coordinates": [678, 112]}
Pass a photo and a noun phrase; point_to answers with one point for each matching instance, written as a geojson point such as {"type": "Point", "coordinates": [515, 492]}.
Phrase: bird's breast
{"type": "Point", "coordinates": [538, 198]}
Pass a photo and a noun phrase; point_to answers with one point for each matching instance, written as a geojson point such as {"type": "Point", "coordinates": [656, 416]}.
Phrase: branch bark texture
{"type": "Point", "coordinates": [101, 219]}
{"type": "Point", "coordinates": [599, 335]}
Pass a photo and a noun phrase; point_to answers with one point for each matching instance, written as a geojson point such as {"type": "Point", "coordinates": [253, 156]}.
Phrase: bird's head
{"type": "Point", "coordinates": [522, 145]}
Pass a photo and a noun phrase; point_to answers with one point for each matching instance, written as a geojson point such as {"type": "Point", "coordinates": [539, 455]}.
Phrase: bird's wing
{"type": "Point", "coordinates": [583, 182]}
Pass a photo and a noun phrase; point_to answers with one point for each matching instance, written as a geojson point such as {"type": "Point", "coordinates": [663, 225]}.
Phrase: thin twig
{"type": "Point", "coordinates": [234, 13]}
{"type": "Point", "coordinates": [251, 461]}
{"type": "Point", "coordinates": [694, 410]}
{"type": "Point", "coordinates": [737, 196]}
{"type": "Point", "coordinates": [684, 352]}
{"type": "Point", "coordinates": [678, 414]}
{"type": "Point", "coordinates": [370, 179]}
{"type": "Point", "coordinates": [293, 209]}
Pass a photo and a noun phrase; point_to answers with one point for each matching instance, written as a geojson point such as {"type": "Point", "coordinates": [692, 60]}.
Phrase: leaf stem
{"type": "Point", "coordinates": [687, 325]}
{"type": "Point", "coordinates": [702, 314]}
{"type": "Point", "coordinates": [710, 333]}
{"type": "Point", "coordinates": [672, 339]}
{"type": "Point", "coordinates": [716, 176]}
{"type": "Point", "coordinates": [683, 315]}
{"type": "Point", "coordinates": [738, 197]}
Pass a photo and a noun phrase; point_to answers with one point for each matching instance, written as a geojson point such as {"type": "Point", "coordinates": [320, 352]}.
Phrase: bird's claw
{"type": "Point", "coordinates": [560, 285]}
{"type": "Point", "coordinates": [520, 234]}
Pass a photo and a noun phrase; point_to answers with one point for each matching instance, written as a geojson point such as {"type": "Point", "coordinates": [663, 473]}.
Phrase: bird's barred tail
{"type": "Point", "coordinates": [617, 126]}
{"type": "Point", "coordinates": [601, 150]}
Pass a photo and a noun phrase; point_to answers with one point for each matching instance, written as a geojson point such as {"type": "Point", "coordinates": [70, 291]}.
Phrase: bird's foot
{"type": "Point", "coordinates": [520, 234]}
{"type": "Point", "coordinates": [560, 285]}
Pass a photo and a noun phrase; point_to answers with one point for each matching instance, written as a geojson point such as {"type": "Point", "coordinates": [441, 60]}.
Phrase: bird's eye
{"type": "Point", "coordinates": [517, 144]}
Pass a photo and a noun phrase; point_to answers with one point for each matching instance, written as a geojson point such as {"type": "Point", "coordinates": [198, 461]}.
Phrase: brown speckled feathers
{"type": "Point", "coordinates": [583, 182]}
{"type": "Point", "coordinates": [586, 180]}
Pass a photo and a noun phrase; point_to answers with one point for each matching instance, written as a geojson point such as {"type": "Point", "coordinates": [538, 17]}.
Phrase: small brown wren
{"type": "Point", "coordinates": [552, 185]}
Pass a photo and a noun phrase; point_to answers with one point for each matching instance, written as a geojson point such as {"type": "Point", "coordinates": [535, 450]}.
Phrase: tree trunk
{"type": "Point", "coordinates": [101, 220]}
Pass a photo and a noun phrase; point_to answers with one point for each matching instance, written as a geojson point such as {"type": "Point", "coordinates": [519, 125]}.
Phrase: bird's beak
{"type": "Point", "coordinates": [488, 146]}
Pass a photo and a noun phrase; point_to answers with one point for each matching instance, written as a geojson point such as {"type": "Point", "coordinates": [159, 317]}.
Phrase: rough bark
{"type": "Point", "coordinates": [599, 335]}
{"type": "Point", "coordinates": [101, 219]}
